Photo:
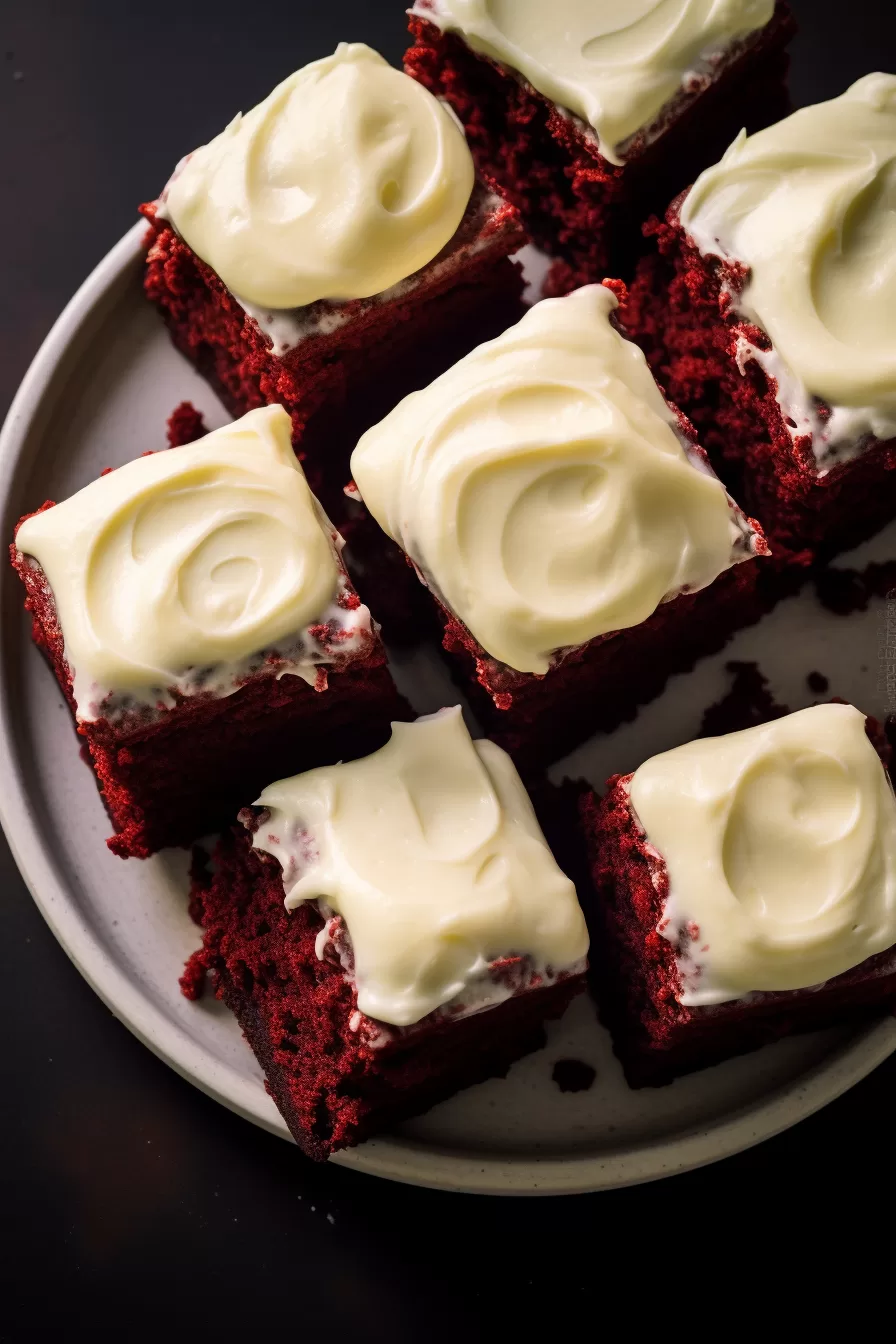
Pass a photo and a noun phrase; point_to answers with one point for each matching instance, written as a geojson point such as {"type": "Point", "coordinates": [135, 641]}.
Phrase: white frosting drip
{"type": "Point", "coordinates": [288, 327]}
{"type": "Point", "coordinates": [614, 65]}
{"type": "Point", "coordinates": [544, 490]}
{"type": "Point", "coordinates": [779, 844]}
{"type": "Point", "coordinates": [837, 438]}
{"type": "Point", "coordinates": [349, 177]}
{"type": "Point", "coordinates": [189, 569]}
{"type": "Point", "coordinates": [809, 207]}
{"type": "Point", "coordinates": [431, 853]}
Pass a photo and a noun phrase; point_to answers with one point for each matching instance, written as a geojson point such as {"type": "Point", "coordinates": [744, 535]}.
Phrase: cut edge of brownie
{"type": "Point", "coordinates": [299, 1013]}
{"type": "Point", "coordinates": [538, 719]}
{"type": "Point", "coordinates": [490, 229]}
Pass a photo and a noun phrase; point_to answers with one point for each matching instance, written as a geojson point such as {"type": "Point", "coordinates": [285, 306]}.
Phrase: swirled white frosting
{"type": "Point", "coordinates": [780, 847]}
{"type": "Point", "coordinates": [431, 853]}
{"type": "Point", "coordinates": [809, 206]}
{"type": "Point", "coordinates": [349, 177]}
{"type": "Point", "coordinates": [542, 488]}
{"type": "Point", "coordinates": [614, 63]}
{"type": "Point", "coordinates": [187, 569]}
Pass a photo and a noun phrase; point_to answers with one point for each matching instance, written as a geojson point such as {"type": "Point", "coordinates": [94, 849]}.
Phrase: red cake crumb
{"type": "Point", "coordinates": [332, 1085]}
{"type": "Point", "coordinates": [574, 202]}
{"type": "Point", "coordinates": [844, 591]}
{"type": "Point", "coordinates": [185, 425]}
{"type": "Point", "coordinates": [341, 377]}
{"type": "Point", "coordinates": [748, 702]}
{"type": "Point", "coordinates": [170, 775]}
{"type": "Point", "coordinates": [573, 1075]}
{"type": "Point", "coordinates": [195, 972]}
{"type": "Point", "coordinates": [636, 980]}
{"type": "Point", "coordinates": [679, 311]}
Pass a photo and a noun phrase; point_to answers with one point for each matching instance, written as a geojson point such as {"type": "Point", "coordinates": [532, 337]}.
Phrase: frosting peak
{"type": "Point", "coordinates": [191, 559]}
{"type": "Point", "coordinates": [780, 847]}
{"type": "Point", "coordinates": [542, 488]}
{"type": "Point", "coordinates": [809, 206]}
{"type": "Point", "coordinates": [431, 852]}
{"type": "Point", "coordinates": [349, 177]}
{"type": "Point", "coordinates": [614, 63]}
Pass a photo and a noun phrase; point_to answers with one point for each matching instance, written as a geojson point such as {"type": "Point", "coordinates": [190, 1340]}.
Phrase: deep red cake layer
{"type": "Point", "coordinates": [679, 311]}
{"type": "Point", "coordinates": [574, 202]}
{"type": "Point", "coordinates": [594, 689]}
{"type": "Point", "coordinates": [299, 1013]}
{"type": "Point", "coordinates": [356, 360]}
{"type": "Point", "coordinates": [169, 776]}
{"type": "Point", "coordinates": [636, 981]}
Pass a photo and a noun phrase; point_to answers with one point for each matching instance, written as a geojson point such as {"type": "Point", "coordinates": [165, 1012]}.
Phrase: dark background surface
{"type": "Point", "coordinates": [134, 1206]}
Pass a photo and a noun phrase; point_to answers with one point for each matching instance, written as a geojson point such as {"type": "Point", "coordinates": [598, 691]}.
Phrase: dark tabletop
{"type": "Point", "coordinates": [132, 1204]}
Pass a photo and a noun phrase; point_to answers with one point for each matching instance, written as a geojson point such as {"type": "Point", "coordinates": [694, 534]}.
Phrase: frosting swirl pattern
{"type": "Point", "coordinates": [179, 569]}
{"type": "Point", "coordinates": [349, 177]}
{"type": "Point", "coordinates": [809, 206]}
{"type": "Point", "coordinates": [780, 847]}
{"type": "Point", "coordinates": [614, 63]}
{"type": "Point", "coordinates": [431, 853]}
{"type": "Point", "coordinates": [542, 488]}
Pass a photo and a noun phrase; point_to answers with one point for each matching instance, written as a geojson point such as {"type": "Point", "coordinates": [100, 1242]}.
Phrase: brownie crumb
{"type": "Point", "coordinates": [844, 591]}
{"type": "Point", "coordinates": [192, 982]}
{"type": "Point", "coordinates": [185, 425]}
{"type": "Point", "coordinates": [573, 1075]}
{"type": "Point", "coordinates": [818, 682]}
{"type": "Point", "coordinates": [747, 703]}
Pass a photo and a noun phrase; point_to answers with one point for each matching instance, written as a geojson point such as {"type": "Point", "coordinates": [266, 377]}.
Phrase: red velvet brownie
{"type": "Point", "coordinates": [198, 617]}
{"type": "Point", "coordinates": [767, 314]}
{"type": "Point", "coordinates": [590, 118]}
{"type": "Point", "coordinates": [358, 258]}
{"type": "Point", "coordinates": [389, 931]}
{"type": "Point", "coordinates": [576, 543]}
{"type": "Point", "coordinates": [745, 889]}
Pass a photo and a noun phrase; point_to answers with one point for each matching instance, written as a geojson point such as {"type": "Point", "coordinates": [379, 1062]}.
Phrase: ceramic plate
{"type": "Point", "coordinates": [97, 395]}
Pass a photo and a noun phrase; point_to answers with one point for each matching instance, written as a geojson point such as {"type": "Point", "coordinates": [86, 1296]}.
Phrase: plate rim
{"type": "Point", "coordinates": [395, 1158]}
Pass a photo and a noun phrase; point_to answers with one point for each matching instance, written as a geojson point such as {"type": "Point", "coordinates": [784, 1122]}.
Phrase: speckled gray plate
{"type": "Point", "coordinates": [98, 394]}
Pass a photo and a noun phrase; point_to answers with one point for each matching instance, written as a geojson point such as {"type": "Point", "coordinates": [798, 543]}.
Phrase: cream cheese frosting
{"type": "Point", "coordinates": [809, 206]}
{"type": "Point", "coordinates": [349, 177]}
{"type": "Point", "coordinates": [613, 63]}
{"type": "Point", "coordinates": [431, 853]}
{"type": "Point", "coordinates": [779, 844]}
{"type": "Point", "coordinates": [543, 489]}
{"type": "Point", "coordinates": [185, 569]}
